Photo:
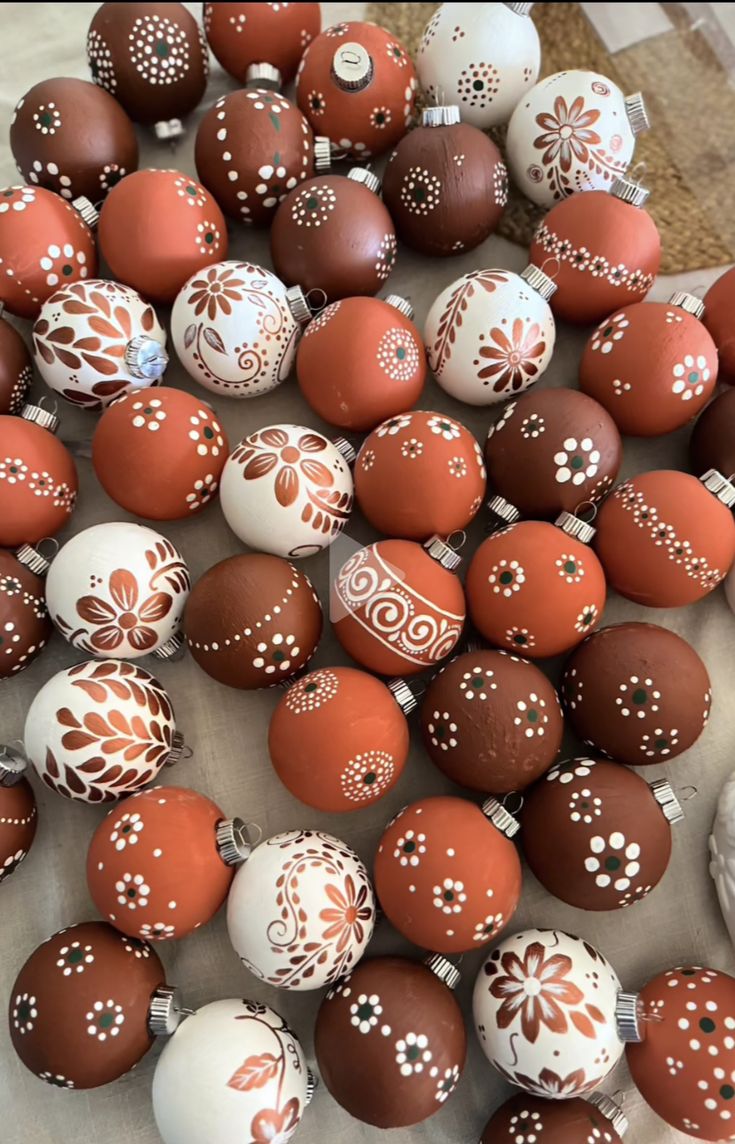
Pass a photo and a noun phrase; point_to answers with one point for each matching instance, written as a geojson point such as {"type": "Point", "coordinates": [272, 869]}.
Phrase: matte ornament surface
{"type": "Point", "coordinates": [245, 34]}
{"type": "Point", "coordinates": [390, 1042]}
{"type": "Point", "coordinates": [15, 369]}
{"type": "Point", "coordinates": [722, 854]}
{"type": "Point", "coordinates": [718, 305]}
{"type": "Point", "coordinates": [712, 443]}
{"type": "Point", "coordinates": [99, 731]}
{"type": "Point", "coordinates": [38, 483]}
{"type": "Point", "coordinates": [637, 693]}
{"type": "Point", "coordinates": [24, 622]}
{"type": "Point", "coordinates": [446, 877]}
{"type": "Point", "coordinates": [488, 336]}
{"type": "Point", "coordinates": [527, 1119]}
{"type": "Point", "coordinates": [544, 1010]}
{"type": "Point", "coordinates": [664, 540]}
{"type": "Point", "coordinates": [301, 910]}
{"type": "Point", "coordinates": [18, 821]}
{"type": "Point", "coordinates": [78, 1011]}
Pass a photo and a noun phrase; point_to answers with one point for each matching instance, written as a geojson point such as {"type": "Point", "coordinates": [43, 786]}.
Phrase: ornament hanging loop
{"type": "Point", "coordinates": [637, 173]}
{"type": "Point", "coordinates": [555, 265]}
{"type": "Point", "coordinates": [687, 793]}
{"type": "Point", "coordinates": [457, 540]}
{"type": "Point", "coordinates": [316, 299]}
{"type": "Point", "coordinates": [586, 511]}
{"type": "Point", "coordinates": [513, 802]}
{"type": "Point", "coordinates": [255, 832]}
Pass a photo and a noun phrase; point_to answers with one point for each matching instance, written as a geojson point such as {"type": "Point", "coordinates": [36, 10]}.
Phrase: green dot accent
{"type": "Point", "coordinates": [612, 863]}
{"type": "Point", "coordinates": [369, 778]}
{"type": "Point", "coordinates": [312, 202]}
{"type": "Point", "coordinates": [532, 716]}
{"type": "Point", "coordinates": [409, 847]}
{"type": "Point", "coordinates": [639, 696]}
{"type": "Point", "coordinates": [24, 1011]}
{"type": "Point", "coordinates": [570, 567]}
{"type": "Point", "coordinates": [14, 468]}
{"type": "Point", "coordinates": [365, 1011]}
{"type": "Point", "coordinates": [106, 1020]}
{"type": "Point", "coordinates": [2, 641]}
{"type": "Point", "coordinates": [191, 190]}
{"type": "Point", "coordinates": [401, 353]}
{"type": "Point", "coordinates": [477, 684]}
{"type": "Point", "coordinates": [727, 1092]}
{"type": "Point", "coordinates": [147, 409]}
{"type": "Point", "coordinates": [587, 618]}
{"type": "Point", "coordinates": [209, 238]}
{"type": "Point", "coordinates": [127, 828]}
{"type": "Point", "coordinates": [448, 895]}
{"type": "Point", "coordinates": [310, 688]}
{"type": "Point", "coordinates": [688, 972]}
{"type": "Point", "coordinates": [659, 744]}
{"type": "Point", "coordinates": [577, 462]}
{"type": "Point", "coordinates": [519, 639]}
{"type": "Point", "coordinates": [413, 1052]}
{"type": "Point", "coordinates": [380, 118]}
{"type": "Point", "coordinates": [279, 656]}
{"type": "Point", "coordinates": [477, 85]}
{"type": "Point", "coordinates": [208, 432]}
{"type": "Point", "coordinates": [441, 731]}
{"type": "Point", "coordinates": [607, 331]}
{"type": "Point", "coordinates": [67, 269]}
{"type": "Point", "coordinates": [75, 956]}
{"type": "Point", "coordinates": [693, 376]}
{"type": "Point", "coordinates": [644, 516]}
{"type": "Point", "coordinates": [679, 551]}
{"type": "Point", "coordinates": [584, 805]}
{"type": "Point", "coordinates": [444, 425]}
{"type": "Point", "coordinates": [707, 1025]}
{"type": "Point", "coordinates": [162, 49]}
{"type": "Point", "coordinates": [506, 577]}
{"type": "Point", "coordinates": [419, 194]}
{"type": "Point", "coordinates": [132, 892]}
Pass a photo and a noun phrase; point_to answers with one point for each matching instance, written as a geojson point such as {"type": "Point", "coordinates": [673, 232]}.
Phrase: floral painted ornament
{"type": "Point", "coordinates": [15, 369]}
{"type": "Point", "coordinates": [24, 621]}
{"type": "Point", "coordinates": [38, 478]}
{"type": "Point", "coordinates": [18, 812]}
{"type": "Point", "coordinates": [241, 35]}
{"type": "Point", "coordinates": [321, 914]}
{"type": "Point", "coordinates": [526, 1119]}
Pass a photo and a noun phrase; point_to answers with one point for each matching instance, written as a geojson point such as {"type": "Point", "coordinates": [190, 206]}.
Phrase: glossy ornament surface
{"type": "Point", "coordinates": [18, 822]}
{"type": "Point", "coordinates": [712, 443]}
{"type": "Point", "coordinates": [252, 621]}
{"type": "Point", "coordinates": [572, 1121]}
{"type": "Point", "coordinates": [24, 622]}
{"type": "Point", "coordinates": [244, 34]}
{"type": "Point", "coordinates": [38, 482]}
{"type": "Point", "coordinates": [288, 490]}
{"type": "Point", "coordinates": [301, 910]}
{"type": "Point", "coordinates": [15, 369]}
{"type": "Point", "coordinates": [718, 304]}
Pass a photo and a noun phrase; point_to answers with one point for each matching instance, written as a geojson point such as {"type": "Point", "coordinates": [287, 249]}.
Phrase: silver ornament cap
{"type": "Point", "coordinates": [539, 281]}
{"type": "Point", "coordinates": [445, 116]}
{"type": "Point", "coordinates": [630, 192]}
{"type": "Point", "coordinates": [402, 305]}
{"type": "Point", "coordinates": [145, 358]}
{"type": "Point", "coordinates": [312, 1084]}
{"type": "Point", "coordinates": [322, 153]}
{"type": "Point", "coordinates": [504, 512]}
{"type": "Point", "coordinates": [443, 553]}
{"type": "Point", "coordinates": [13, 766]}
{"type": "Point", "coordinates": [352, 67]}
{"type": "Point", "coordinates": [635, 107]}
{"type": "Point", "coordinates": [575, 526]}
{"type": "Point", "coordinates": [171, 648]}
{"type": "Point", "coordinates": [500, 817]}
{"type": "Point", "coordinates": [233, 841]}
{"type": "Point", "coordinates": [611, 1110]}
{"type": "Point", "coordinates": [719, 486]}
{"type": "Point", "coordinates": [40, 416]}
{"type": "Point", "coordinates": [297, 304]}
{"type": "Point", "coordinates": [263, 75]}
{"type": "Point", "coordinates": [165, 1013]}
{"type": "Point", "coordinates": [627, 1017]}
{"type": "Point", "coordinates": [667, 800]}
{"type": "Point", "coordinates": [87, 210]}
{"type": "Point", "coordinates": [368, 178]}
{"type": "Point", "coordinates": [444, 969]}
{"type": "Point", "coordinates": [689, 302]}
{"type": "Point", "coordinates": [32, 559]}
{"type": "Point", "coordinates": [168, 130]}
{"type": "Point", "coordinates": [403, 695]}
{"type": "Point", "coordinates": [520, 9]}
{"type": "Point", "coordinates": [178, 748]}
{"type": "Point", "coordinates": [346, 449]}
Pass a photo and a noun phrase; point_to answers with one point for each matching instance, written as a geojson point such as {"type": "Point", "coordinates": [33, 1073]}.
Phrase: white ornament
{"type": "Point", "coordinates": [118, 590]}
{"type": "Point", "coordinates": [544, 1007]}
{"type": "Point", "coordinates": [286, 490]}
{"type": "Point", "coordinates": [489, 335]}
{"type": "Point", "coordinates": [483, 57]}
{"type": "Point", "coordinates": [233, 329]}
{"type": "Point", "coordinates": [233, 1072]}
{"type": "Point", "coordinates": [722, 851]}
{"type": "Point", "coordinates": [730, 589]}
{"type": "Point", "coordinates": [301, 910]}
{"type": "Point", "coordinates": [96, 340]}
{"type": "Point", "coordinates": [98, 731]}
{"type": "Point", "coordinates": [574, 131]}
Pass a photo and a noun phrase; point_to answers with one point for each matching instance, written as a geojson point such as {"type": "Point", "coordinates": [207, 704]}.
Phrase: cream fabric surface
{"type": "Point", "coordinates": [680, 921]}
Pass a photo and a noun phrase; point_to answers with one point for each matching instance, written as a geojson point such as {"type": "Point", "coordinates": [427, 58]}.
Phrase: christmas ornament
{"type": "Point", "coordinates": [382, 364]}
{"type": "Point", "coordinates": [43, 242]}
{"type": "Point", "coordinates": [18, 814]}
{"type": "Point", "coordinates": [666, 539]}
{"type": "Point", "coordinates": [157, 228]}
{"type": "Point", "coordinates": [235, 327]}
{"type": "Point", "coordinates": [241, 35]}
{"type": "Point", "coordinates": [550, 1013]}
{"type": "Point", "coordinates": [98, 731]}
{"type": "Point", "coordinates": [607, 247]}
{"type": "Point", "coordinates": [96, 340]}
{"type": "Point", "coordinates": [535, 587]}
{"type": "Point", "coordinates": [491, 721]}
{"type": "Point", "coordinates": [357, 84]}
{"type": "Point", "coordinates": [252, 621]}
{"type": "Point", "coordinates": [446, 874]}
{"type": "Point", "coordinates": [397, 607]}
{"type": "Point", "coordinates": [87, 1004]}
{"type": "Point", "coordinates": [338, 739]}
{"type": "Point", "coordinates": [445, 185]}
{"type": "Point", "coordinates": [161, 864]}
{"type": "Point", "coordinates": [524, 1118]}
{"type": "Point", "coordinates": [152, 58]}
{"type": "Point", "coordinates": [15, 369]}
{"type": "Point", "coordinates": [721, 854]}
{"type": "Point", "coordinates": [549, 452]}
{"type": "Point", "coordinates": [596, 835]}
{"type": "Point", "coordinates": [684, 1066]}
{"type": "Point", "coordinates": [637, 693]}
{"type": "Point", "coordinates": [390, 1040]}
{"type": "Point", "coordinates": [483, 56]}
{"type": "Point", "coordinates": [491, 334]}
{"type": "Point", "coordinates": [288, 490]}
{"type": "Point", "coordinates": [712, 443]}
{"type": "Point", "coordinates": [420, 474]}
{"type": "Point", "coordinates": [652, 365]}
{"type": "Point", "coordinates": [718, 302]}
{"type": "Point", "coordinates": [159, 453]}
{"type": "Point", "coordinates": [24, 623]}
{"type": "Point", "coordinates": [73, 138]}
{"type": "Point", "coordinates": [573, 131]}
{"type": "Point", "coordinates": [333, 234]}
{"type": "Point", "coordinates": [234, 1070]}
{"type": "Point", "coordinates": [38, 478]}
{"type": "Point", "coordinates": [117, 590]}
{"type": "Point", "coordinates": [301, 910]}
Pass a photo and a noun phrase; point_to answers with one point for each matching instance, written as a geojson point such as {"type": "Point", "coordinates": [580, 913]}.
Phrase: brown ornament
{"type": "Point", "coordinates": [718, 306]}
{"type": "Point", "coordinates": [712, 443]}
{"type": "Point", "coordinates": [527, 1119]}
{"type": "Point", "coordinates": [15, 369]}
{"type": "Point", "coordinates": [244, 34]}
{"type": "Point", "coordinates": [24, 621]}
{"type": "Point", "coordinates": [18, 822]}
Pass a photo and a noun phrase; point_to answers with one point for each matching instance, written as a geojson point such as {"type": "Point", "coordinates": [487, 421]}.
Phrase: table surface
{"type": "Point", "coordinates": [679, 922]}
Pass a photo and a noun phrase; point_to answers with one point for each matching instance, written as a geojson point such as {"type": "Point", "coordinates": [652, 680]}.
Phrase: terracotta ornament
{"type": "Point", "coordinates": [241, 35]}
{"type": "Point", "coordinates": [18, 813]}
{"type": "Point", "coordinates": [25, 626]}
{"type": "Point", "coordinates": [38, 478]}
{"type": "Point", "coordinates": [574, 1121]}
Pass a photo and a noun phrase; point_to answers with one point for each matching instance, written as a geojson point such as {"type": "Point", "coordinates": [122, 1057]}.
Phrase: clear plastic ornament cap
{"type": "Point", "coordinates": [368, 178]}
{"type": "Point", "coordinates": [234, 844]}
{"type": "Point", "coordinates": [13, 765]}
{"type": "Point", "coordinates": [165, 1012]}
{"type": "Point", "coordinates": [146, 359]}
{"type": "Point", "coordinates": [628, 1017]}
{"type": "Point", "coordinates": [611, 1110]}
{"type": "Point", "coordinates": [352, 67]}
{"type": "Point", "coordinates": [264, 75]}
{"type": "Point", "coordinates": [403, 695]}
{"type": "Point", "coordinates": [444, 969]}
{"type": "Point", "coordinates": [506, 823]}
{"type": "Point", "coordinates": [719, 486]}
{"type": "Point", "coordinates": [445, 115]}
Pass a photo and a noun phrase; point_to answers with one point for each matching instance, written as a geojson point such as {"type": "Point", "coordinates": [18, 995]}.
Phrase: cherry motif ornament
{"type": "Point", "coordinates": [38, 478]}
{"type": "Point", "coordinates": [718, 303]}
{"type": "Point", "coordinates": [244, 35]}
{"type": "Point", "coordinates": [712, 443]}
{"type": "Point", "coordinates": [490, 334]}
{"type": "Point", "coordinates": [18, 812]}
{"type": "Point", "coordinates": [24, 621]}
{"type": "Point", "coordinates": [523, 1118]}
{"type": "Point", "coordinates": [15, 369]}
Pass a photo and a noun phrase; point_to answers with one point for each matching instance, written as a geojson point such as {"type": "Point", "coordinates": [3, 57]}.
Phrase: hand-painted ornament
{"type": "Point", "coordinates": [157, 229]}
{"type": "Point", "coordinates": [712, 443]}
{"type": "Point", "coordinates": [683, 1067]}
{"type": "Point", "coordinates": [99, 731]}
{"type": "Point", "coordinates": [529, 1119]}
{"type": "Point", "coordinates": [722, 854]}
{"type": "Point", "coordinates": [636, 693]}
{"type": "Point", "coordinates": [241, 35]}
{"type": "Point", "coordinates": [608, 250]}
{"type": "Point", "coordinates": [653, 365]}
{"type": "Point", "coordinates": [38, 478]}
{"type": "Point", "coordinates": [574, 131]}
{"type": "Point", "coordinates": [161, 864]}
{"type": "Point", "coordinates": [288, 490]}
{"type": "Point", "coordinates": [536, 588]}
{"type": "Point", "coordinates": [717, 317]}
{"type": "Point", "coordinates": [24, 622]}
{"type": "Point", "coordinates": [301, 910]}
{"type": "Point", "coordinates": [490, 334]}
{"type": "Point", "coordinates": [44, 242]}
{"type": "Point", "coordinates": [333, 234]}
{"type": "Point", "coordinates": [491, 721]}
{"type": "Point", "coordinates": [87, 1004]}
{"type": "Point", "coordinates": [381, 359]}
{"type": "Point", "coordinates": [445, 185]}
{"type": "Point", "coordinates": [18, 813]}
{"type": "Point", "coordinates": [252, 621]}
{"type": "Point", "coordinates": [15, 369]}
{"type": "Point", "coordinates": [446, 873]}
{"type": "Point", "coordinates": [357, 85]}
{"type": "Point", "coordinates": [338, 739]}
{"type": "Point", "coordinates": [550, 1013]}
{"type": "Point", "coordinates": [390, 1040]}
{"type": "Point", "coordinates": [549, 452]}
{"type": "Point", "coordinates": [96, 340]}
{"type": "Point", "coordinates": [482, 56]}
{"type": "Point", "coordinates": [234, 1071]}
{"type": "Point", "coordinates": [117, 590]}
{"type": "Point", "coordinates": [73, 138]}
{"type": "Point", "coordinates": [398, 607]}
{"type": "Point", "coordinates": [666, 539]}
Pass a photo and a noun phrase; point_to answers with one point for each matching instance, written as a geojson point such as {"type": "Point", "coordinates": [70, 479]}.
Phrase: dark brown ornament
{"type": "Point", "coordinates": [527, 1119]}
{"type": "Point", "coordinates": [718, 307]}
{"type": "Point", "coordinates": [712, 444]}
{"type": "Point", "coordinates": [18, 821]}
{"type": "Point", "coordinates": [15, 369]}
{"type": "Point", "coordinates": [24, 621]}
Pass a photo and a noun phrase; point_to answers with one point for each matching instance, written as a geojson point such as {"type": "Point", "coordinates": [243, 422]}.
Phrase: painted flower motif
{"type": "Point", "coordinates": [157, 931]}
{"type": "Point", "coordinates": [277, 655]}
{"type": "Point", "coordinates": [457, 467]}
{"type": "Point", "coordinates": [365, 1011]}
{"type": "Point", "coordinates": [520, 637]}
{"type": "Point", "coordinates": [531, 715]}
{"type": "Point", "coordinates": [132, 891]}
{"type": "Point", "coordinates": [690, 377]}
{"type": "Point", "coordinates": [398, 354]}
{"type": "Point", "coordinates": [420, 191]}
{"type": "Point", "coordinates": [148, 414]}
{"type": "Point", "coordinates": [551, 1085]}
{"type": "Point", "coordinates": [397, 54]}
{"type": "Point", "coordinates": [276, 1126]}
{"type": "Point", "coordinates": [41, 484]}
{"type": "Point", "coordinates": [409, 848]}
{"type": "Point", "coordinates": [536, 987]}
{"type": "Point", "coordinates": [123, 618]}
{"type": "Point", "coordinates": [613, 861]}
{"type": "Point", "coordinates": [567, 133]}
{"type": "Point", "coordinates": [110, 176]}
{"type": "Point", "coordinates": [579, 258]}
{"type": "Point", "coordinates": [367, 775]}
{"type": "Point", "coordinates": [447, 1084]}
{"type": "Point", "coordinates": [312, 692]}
{"type": "Point", "coordinates": [570, 569]}
{"type": "Point", "coordinates": [10, 585]}
{"type": "Point", "coordinates": [275, 185]}
{"type": "Point", "coordinates": [348, 916]}
{"type": "Point", "coordinates": [272, 451]}
{"type": "Point", "coordinates": [380, 117]}
{"type": "Point", "coordinates": [17, 198]}
{"type": "Point", "coordinates": [638, 697]}
{"type": "Point", "coordinates": [367, 459]}
{"type": "Point", "coordinates": [138, 948]}
{"type": "Point", "coordinates": [336, 30]}
{"type": "Point", "coordinates": [444, 427]}
{"type": "Point", "coordinates": [412, 1053]}
{"type": "Point", "coordinates": [313, 206]}
{"type": "Point", "coordinates": [317, 103]}
{"type": "Point", "coordinates": [207, 236]}
{"type": "Point", "coordinates": [442, 730]}
{"type": "Point", "coordinates": [56, 1079]}
{"type": "Point", "coordinates": [476, 683]}
{"type": "Point", "coordinates": [507, 577]}
{"type": "Point", "coordinates": [393, 425]}
{"type": "Point", "coordinates": [207, 434]}
{"type": "Point", "coordinates": [533, 426]}
{"type": "Point", "coordinates": [73, 958]}
{"type": "Point", "coordinates": [586, 618]}
{"type": "Point", "coordinates": [449, 897]}
{"type": "Point", "coordinates": [25, 1012]}
{"type": "Point", "coordinates": [567, 771]}
{"type": "Point", "coordinates": [126, 830]}
{"type": "Point", "coordinates": [386, 256]}
{"type": "Point", "coordinates": [192, 194]}
{"type": "Point", "coordinates": [660, 743]}
{"type": "Point", "coordinates": [411, 448]}
{"type": "Point", "coordinates": [485, 929]}
{"type": "Point", "coordinates": [609, 332]}
{"type": "Point", "coordinates": [513, 360]}
{"type": "Point", "coordinates": [577, 461]}
{"type": "Point", "coordinates": [215, 291]}
{"type": "Point", "coordinates": [61, 262]}
{"type": "Point", "coordinates": [13, 470]}
{"type": "Point", "coordinates": [584, 806]}
{"type": "Point", "coordinates": [203, 491]}
{"type": "Point", "coordinates": [104, 1019]}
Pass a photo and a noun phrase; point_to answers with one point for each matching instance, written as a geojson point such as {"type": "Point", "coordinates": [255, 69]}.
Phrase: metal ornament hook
{"type": "Point", "coordinates": [316, 299]}
{"type": "Point", "coordinates": [687, 793]}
